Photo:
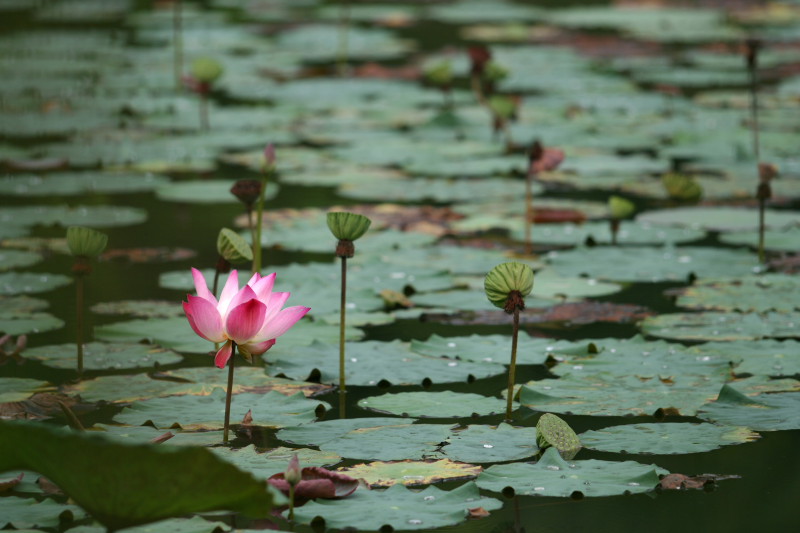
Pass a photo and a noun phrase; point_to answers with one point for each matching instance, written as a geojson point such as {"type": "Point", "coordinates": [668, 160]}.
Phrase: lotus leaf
{"type": "Point", "coordinates": [764, 412]}
{"type": "Point", "coordinates": [492, 348]}
{"type": "Point", "coordinates": [722, 219]}
{"type": "Point", "coordinates": [30, 514]}
{"type": "Point", "coordinates": [666, 438]}
{"type": "Point", "coordinates": [769, 292]}
{"type": "Point", "coordinates": [444, 404]}
{"type": "Point", "coordinates": [264, 464]}
{"type": "Point", "coordinates": [388, 473]}
{"type": "Point", "coordinates": [714, 326]}
{"type": "Point", "coordinates": [18, 389]}
{"type": "Point", "coordinates": [103, 356]}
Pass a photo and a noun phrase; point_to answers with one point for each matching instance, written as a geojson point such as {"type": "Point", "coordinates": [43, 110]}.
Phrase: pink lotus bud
{"type": "Point", "coordinates": [293, 474]}
{"type": "Point", "coordinates": [269, 155]}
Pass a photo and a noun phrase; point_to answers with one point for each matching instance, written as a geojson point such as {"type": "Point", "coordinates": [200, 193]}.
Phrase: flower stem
{"type": "Point", "coordinates": [528, 212]}
{"type": "Point", "coordinates": [177, 42]}
{"type": "Point", "coordinates": [342, 382]}
{"type": "Point", "coordinates": [79, 326]}
{"type": "Point", "coordinates": [344, 23]}
{"type": "Point", "coordinates": [761, 255]}
{"type": "Point", "coordinates": [291, 503]}
{"type": "Point", "coordinates": [204, 124]}
{"type": "Point", "coordinates": [258, 224]}
{"type": "Point", "coordinates": [512, 369]}
{"type": "Point", "coordinates": [231, 362]}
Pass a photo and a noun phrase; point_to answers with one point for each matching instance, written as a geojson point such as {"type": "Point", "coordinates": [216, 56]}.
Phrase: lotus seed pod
{"type": "Point", "coordinates": [505, 279]}
{"type": "Point", "coordinates": [86, 242]}
{"type": "Point", "coordinates": [348, 226]}
{"type": "Point", "coordinates": [232, 247]}
{"type": "Point", "coordinates": [553, 431]}
{"type": "Point", "coordinates": [620, 208]}
{"type": "Point", "coordinates": [206, 69]}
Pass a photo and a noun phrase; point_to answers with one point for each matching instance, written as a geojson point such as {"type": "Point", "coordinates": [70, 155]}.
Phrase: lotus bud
{"type": "Point", "coordinates": [269, 157]}
{"type": "Point", "coordinates": [86, 242]}
{"type": "Point", "coordinates": [494, 72]}
{"type": "Point", "coordinates": [507, 284]}
{"type": "Point", "coordinates": [479, 56]}
{"type": "Point", "coordinates": [553, 431]}
{"type": "Point", "coordinates": [767, 171]}
{"type": "Point", "coordinates": [347, 227]}
{"type": "Point", "coordinates": [440, 74]}
{"type": "Point", "coordinates": [232, 247]}
{"type": "Point", "coordinates": [620, 208]}
{"type": "Point", "coordinates": [293, 474]}
{"type": "Point", "coordinates": [503, 106]}
{"type": "Point", "coordinates": [206, 70]}
{"type": "Point", "coordinates": [682, 187]}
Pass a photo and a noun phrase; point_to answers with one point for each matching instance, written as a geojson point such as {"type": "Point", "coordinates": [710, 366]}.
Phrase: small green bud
{"type": "Point", "coordinates": [206, 69]}
{"type": "Point", "coordinates": [503, 106]}
{"type": "Point", "coordinates": [507, 280]}
{"type": "Point", "coordinates": [620, 208]}
{"type": "Point", "coordinates": [86, 242]}
{"type": "Point", "coordinates": [232, 247]}
{"type": "Point", "coordinates": [553, 431]}
{"type": "Point", "coordinates": [440, 74]}
{"type": "Point", "coordinates": [494, 72]}
{"type": "Point", "coordinates": [682, 187]}
{"type": "Point", "coordinates": [348, 226]}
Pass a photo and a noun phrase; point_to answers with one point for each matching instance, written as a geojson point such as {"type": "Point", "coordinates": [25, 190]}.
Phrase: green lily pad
{"type": "Point", "coordinates": [398, 508]}
{"type": "Point", "coordinates": [487, 444]}
{"type": "Point", "coordinates": [444, 404]}
{"type": "Point", "coordinates": [73, 183]}
{"type": "Point", "coordinates": [319, 433]}
{"type": "Point", "coordinates": [474, 11]}
{"type": "Point", "coordinates": [769, 292]}
{"type": "Point", "coordinates": [649, 264]}
{"type": "Point", "coordinates": [13, 283]}
{"type": "Point", "coordinates": [24, 514]}
{"type": "Point", "coordinates": [193, 381]}
{"type": "Point", "coordinates": [18, 389]}
{"type": "Point", "coordinates": [30, 323]}
{"type": "Point", "coordinates": [139, 308]}
{"type": "Point", "coordinates": [318, 42]}
{"type": "Point", "coordinates": [493, 348]}
{"type": "Point", "coordinates": [264, 464]}
{"type": "Point", "coordinates": [666, 438]}
{"type": "Point", "coordinates": [18, 259]}
{"type": "Point", "coordinates": [553, 476]}
{"type": "Point", "coordinates": [779, 240]}
{"type": "Point", "coordinates": [371, 362]}
{"type": "Point", "coordinates": [388, 473]}
{"type": "Point", "coordinates": [713, 326]}
{"type": "Point", "coordinates": [600, 232]}
{"type": "Point", "coordinates": [205, 192]}
{"type": "Point", "coordinates": [195, 524]}
{"type": "Point", "coordinates": [601, 394]}
{"type": "Point", "coordinates": [722, 219]}
{"type": "Point", "coordinates": [760, 358]}
{"type": "Point", "coordinates": [207, 412]}
{"type": "Point", "coordinates": [145, 434]}
{"type": "Point", "coordinates": [93, 216]}
{"type": "Point", "coordinates": [103, 356]}
{"type": "Point", "coordinates": [131, 485]}
{"type": "Point", "coordinates": [765, 412]}
{"type": "Point", "coordinates": [453, 259]}
{"type": "Point", "coordinates": [434, 190]}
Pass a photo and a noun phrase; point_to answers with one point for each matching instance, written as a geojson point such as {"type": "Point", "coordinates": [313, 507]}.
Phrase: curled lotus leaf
{"type": "Point", "coordinates": [232, 247]}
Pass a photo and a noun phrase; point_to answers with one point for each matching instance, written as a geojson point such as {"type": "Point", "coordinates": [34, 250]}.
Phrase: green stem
{"type": "Point", "coordinates": [204, 124]}
{"type": "Point", "coordinates": [528, 212]}
{"type": "Point", "coordinates": [291, 503]}
{"type": "Point", "coordinates": [79, 326]}
{"type": "Point", "coordinates": [761, 255]}
{"type": "Point", "coordinates": [342, 382]}
{"type": "Point", "coordinates": [177, 41]}
{"type": "Point", "coordinates": [512, 369]}
{"type": "Point", "coordinates": [258, 224]}
{"type": "Point", "coordinates": [344, 23]}
{"type": "Point", "coordinates": [231, 364]}
{"type": "Point", "coordinates": [754, 111]}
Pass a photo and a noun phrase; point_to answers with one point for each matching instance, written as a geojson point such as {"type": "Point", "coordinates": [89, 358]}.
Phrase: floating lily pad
{"type": "Point", "coordinates": [601, 394]}
{"type": "Point", "coordinates": [553, 476]}
{"type": "Point", "coordinates": [493, 348]}
{"type": "Point", "coordinates": [30, 514]}
{"type": "Point", "coordinates": [487, 444]}
{"type": "Point", "coordinates": [600, 232]}
{"type": "Point", "coordinates": [386, 474]}
{"type": "Point", "coordinates": [398, 508]}
{"type": "Point", "coordinates": [195, 524]}
{"type": "Point", "coordinates": [760, 358]}
{"type": "Point", "coordinates": [712, 326]}
{"type": "Point", "coordinates": [443, 404]}
{"type": "Point", "coordinates": [103, 356]}
{"type": "Point", "coordinates": [18, 389]}
{"type": "Point", "coordinates": [194, 381]}
{"type": "Point", "coordinates": [205, 192]}
{"type": "Point", "coordinates": [207, 412]}
{"type": "Point", "coordinates": [648, 264]}
{"type": "Point", "coordinates": [435, 189]}
{"type": "Point", "coordinates": [17, 259]}
{"type": "Point", "coordinates": [320, 43]}
{"type": "Point", "coordinates": [721, 219]}
{"type": "Point", "coordinates": [94, 216]}
{"type": "Point", "coordinates": [769, 292]}
{"type": "Point", "coordinates": [146, 434]}
{"type": "Point", "coordinates": [319, 433]}
{"type": "Point", "coordinates": [139, 308]}
{"type": "Point", "coordinates": [765, 412]}
{"type": "Point", "coordinates": [371, 362]}
{"type": "Point", "coordinates": [12, 283]}
{"type": "Point", "coordinates": [779, 240]}
{"type": "Point", "coordinates": [264, 464]}
{"type": "Point", "coordinates": [72, 183]}
{"type": "Point", "coordinates": [31, 323]}
{"type": "Point", "coordinates": [666, 438]}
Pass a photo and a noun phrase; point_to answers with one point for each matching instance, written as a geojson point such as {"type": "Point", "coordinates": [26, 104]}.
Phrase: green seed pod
{"type": "Point", "coordinates": [620, 208]}
{"type": "Point", "coordinates": [553, 431]}
{"type": "Point", "coordinates": [348, 226]}
{"type": "Point", "coordinates": [494, 72]}
{"type": "Point", "coordinates": [506, 278]}
{"type": "Point", "coordinates": [206, 69]}
{"type": "Point", "coordinates": [232, 247]}
{"type": "Point", "coordinates": [440, 74]}
{"type": "Point", "coordinates": [682, 187]}
{"type": "Point", "coordinates": [86, 242]}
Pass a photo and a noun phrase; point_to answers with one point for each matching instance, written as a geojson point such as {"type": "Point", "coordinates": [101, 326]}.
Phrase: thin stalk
{"type": "Point", "coordinates": [258, 224]}
{"type": "Point", "coordinates": [79, 316]}
{"type": "Point", "coordinates": [528, 212]}
{"type": "Point", "coordinates": [512, 369]}
{"type": "Point", "coordinates": [231, 364]}
{"type": "Point", "coordinates": [761, 254]}
{"type": "Point", "coordinates": [342, 382]}
{"type": "Point", "coordinates": [204, 124]}
{"type": "Point", "coordinates": [344, 24]}
{"type": "Point", "coordinates": [177, 43]}
{"type": "Point", "coordinates": [754, 111]}
{"type": "Point", "coordinates": [291, 504]}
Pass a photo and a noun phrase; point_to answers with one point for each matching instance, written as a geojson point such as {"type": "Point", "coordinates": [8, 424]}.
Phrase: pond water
{"type": "Point", "coordinates": [629, 94]}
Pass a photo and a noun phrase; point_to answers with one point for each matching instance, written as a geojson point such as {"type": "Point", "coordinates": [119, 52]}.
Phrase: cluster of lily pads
{"type": "Point", "coordinates": [653, 185]}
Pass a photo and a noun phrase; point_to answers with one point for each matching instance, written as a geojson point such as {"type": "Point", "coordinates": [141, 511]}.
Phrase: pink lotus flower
{"type": "Point", "coordinates": [251, 316]}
